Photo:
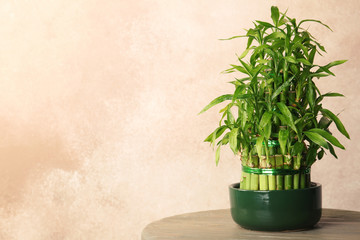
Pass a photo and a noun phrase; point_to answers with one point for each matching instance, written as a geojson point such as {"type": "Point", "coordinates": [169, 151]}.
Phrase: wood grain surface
{"type": "Point", "coordinates": [218, 224]}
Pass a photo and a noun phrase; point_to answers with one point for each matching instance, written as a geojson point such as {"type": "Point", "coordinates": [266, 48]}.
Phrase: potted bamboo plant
{"type": "Point", "coordinates": [276, 123]}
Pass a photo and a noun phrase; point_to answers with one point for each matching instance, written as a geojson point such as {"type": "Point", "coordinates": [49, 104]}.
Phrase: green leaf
{"type": "Point", "coordinates": [317, 139]}
{"type": "Point", "coordinates": [250, 40]}
{"type": "Point", "coordinates": [337, 121]}
{"type": "Point", "coordinates": [329, 94]}
{"type": "Point", "coordinates": [275, 15]}
{"type": "Point", "coordinates": [310, 94]}
{"type": "Point", "coordinates": [313, 20]}
{"type": "Point", "coordinates": [283, 137]}
{"type": "Point", "coordinates": [304, 61]}
{"type": "Point", "coordinates": [267, 131]}
{"type": "Point", "coordinates": [319, 75]}
{"type": "Point", "coordinates": [335, 63]}
{"type": "Point", "coordinates": [265, 119]}
{"type": "Point", "coordinates": [321, 154]}
{"type": "Point", "coordinates": [216, 134]}
{"type": "Point", "coordinates": [233, 140]}
{"type": "Point", "coordinates": [239, 68]}
{"type": "Point", "coordinates": [282, 87]}
{"type": "Point", "coordinates": [332, 151]}
{"type": "Point", "coordinates": [290, 59]}
{"type": "Point", "coordinates": [324, 122]}
{"type": "Point", "coordinates": [297, 148]}
{"type": "Point", "coordinates": [328, 137]}
{"type": "Point", "coordinates": [245, 53]}
{"type": "Point", "coordinates": [232, 37]}
{"type": "Point", "coordinates": [230, 117]}
{"type": "Point", "coordinates": [287, 115]}
{"type": "Point", "coordinates": [332, 94]}
{"type": "Point", "coordinates": [217, 101]}
{"type": "Point", "coordinates": [248, 68]}
{"type": "Point", "coordinates": [265, 24]}
{"type": "Point", "coordinates": [274, 36]}
{"type": "Point", "coordinates": [217, 155]}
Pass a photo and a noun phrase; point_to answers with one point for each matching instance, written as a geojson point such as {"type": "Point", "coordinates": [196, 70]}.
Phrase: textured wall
{"type": "Point", "coordinates": [99, 102]}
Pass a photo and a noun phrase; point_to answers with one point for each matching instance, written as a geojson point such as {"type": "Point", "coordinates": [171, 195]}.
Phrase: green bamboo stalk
{"type": "Point", "coordinates": [263, 179]}
{"type": "Point", "coordinates": [272, 178]}
{"type": "Point", "coordinates": [248, 181]}
{"type": "Point", "coordinates": [302, 180]}
{"type": "Point", "coordinates": [246, 161]}
{"type": "Point", "coordinates": [297, 162]}
{"type": "Point", "coordinates": [288, 182]}
{"type": "Point", "coordinates": [296, 181]}
{"type": "Point", "coordinates": [254, 178]}
{"type": "Point", "coordinates": [288, 178]}
{"type": "Point", "coordinates": [279, 178]}
{"type": "Point", "coordinates": [242, 180]}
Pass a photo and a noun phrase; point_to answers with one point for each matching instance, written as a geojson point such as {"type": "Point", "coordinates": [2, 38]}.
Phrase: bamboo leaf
{"type": "Point", "coordinates": [275, 15]}
{"type": "Point", "coordinates": [267, 131]}
{"type": "Point", "coordinates": [283, 138]}
{"type": "Point", "coordinates": [265, 119]}
{"type": "Point", "coordinates": [319, 75]}
{"type": "Point", "coordinates": [282, 87]}
{"type": "Point", "coordinates": [239, 68]}
{"type": "Point", "coordinates": [233, 140]}
{"type": "Point", "coordinates": [245, 53]}
{"type": "Point", "coordinates": [274, 36]}
{"type": "Point", "coordinates": [304, 61]}
{"type": "Point", "coordinates": [287, 115]}
{"type": "Point", "coordinates": [335, 63]}
{"type": "Point", "coordinates": [332, 151]}
{"type": "Point", "coordinates": [215, 134]}
{"type": "Point", "coordinates": [217, 155]}
{"type": "Point", "coordinates": [291, 59]}
{"type": "Point", "coordinates": [337, 121]}
{"type": "Point", "coordinates": [328, 137]}
{"type": "Point", "coordinates": [310, 94]}
{"type": "Point", "coordinates": [329, 94]}
{"type": "Point", "coordinates": [321, 154]}
{"type": "Point", "coordinates": [247, 67]}
{"type": "Point", "coordinates": [265, 24]}
{"type": "Point", "coordinates": [332, 94]}
{"type": "Point", "coordinates": [232, 37]}
{"type": "Point", "coordinates": [217, 101]}
{"type": "Point", "coordinates": [297, 148]}
{"type": "Point", "coordinates": [250, 40]}
{"type": "Point", "coordinates": [317, 139]}
{"type": "Point", "coordinates": [311, 156]}
{"type": "Point", "coordinates": [313, 20]}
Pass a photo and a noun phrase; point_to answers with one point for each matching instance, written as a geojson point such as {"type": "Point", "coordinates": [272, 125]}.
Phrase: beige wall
{"type": "Point", "coordinates": [99, 102]}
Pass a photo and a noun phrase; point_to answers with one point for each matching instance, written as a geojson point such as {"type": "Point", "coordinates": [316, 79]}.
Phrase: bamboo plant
{"type": "Point", "coordinates": [274, 120]}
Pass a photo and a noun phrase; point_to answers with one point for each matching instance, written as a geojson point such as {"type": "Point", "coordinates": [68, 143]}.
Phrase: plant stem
{"type": "Point", "coordinates": [254, 179]}
{"type": "Point", "coordinates": [296, 161]}
{"type": "Point", "coordinates": [288, 178]}
{"type": "Point", "coordinates": [279, 178]}
{"type": "Point", "coordinates": [303, 180]}
{"type": "Point", "coordinates": [263, 179]}
{"type": "Point", "coordinates": [272, 178]}
{"type": "Point", "coordinates": [288, 182]}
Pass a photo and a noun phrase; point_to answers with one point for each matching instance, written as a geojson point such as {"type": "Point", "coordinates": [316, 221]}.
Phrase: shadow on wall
{"type": "Point", "coordinates": [27, 156]}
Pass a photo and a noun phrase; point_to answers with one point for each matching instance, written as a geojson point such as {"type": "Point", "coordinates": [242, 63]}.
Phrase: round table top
{"type": "Point", "coordinates": [218, 224]}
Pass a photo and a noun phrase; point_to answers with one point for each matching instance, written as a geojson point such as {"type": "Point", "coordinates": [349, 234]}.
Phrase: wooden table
{"type": "Point", "coordinates": [217, 224]}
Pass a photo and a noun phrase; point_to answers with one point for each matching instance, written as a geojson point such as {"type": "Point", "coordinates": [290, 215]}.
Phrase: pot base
{"type": "Point", "coordinates": [279, 210]}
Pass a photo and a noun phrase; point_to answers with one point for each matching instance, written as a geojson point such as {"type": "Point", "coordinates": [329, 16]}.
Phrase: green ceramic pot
{"type": "Point", "coordinates": [278, 210]}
